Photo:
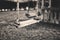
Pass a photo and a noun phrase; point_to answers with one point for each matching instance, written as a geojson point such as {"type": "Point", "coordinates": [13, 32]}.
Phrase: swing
{"type": "Point", "coordinates": [26, 22]}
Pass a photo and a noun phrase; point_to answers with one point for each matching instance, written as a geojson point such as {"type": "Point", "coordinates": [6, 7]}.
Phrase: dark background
{"type": "Point", "coordinates": [56, 3]}
{"type": "Point", "coordinates": [8, 4]}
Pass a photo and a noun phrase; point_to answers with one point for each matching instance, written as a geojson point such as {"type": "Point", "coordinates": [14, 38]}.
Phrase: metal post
{"type": "Point", "coordinates": [37, 8]}
{"type": "Point", "coordinates": [17, 10]}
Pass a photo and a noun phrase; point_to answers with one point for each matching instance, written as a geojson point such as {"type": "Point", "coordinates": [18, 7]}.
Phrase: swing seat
{"type": "Point", "coordinates": [27, 22]}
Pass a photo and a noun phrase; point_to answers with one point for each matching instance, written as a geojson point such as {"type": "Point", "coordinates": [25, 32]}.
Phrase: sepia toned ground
{"type": "Point", "coordinates": [37, 31]}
